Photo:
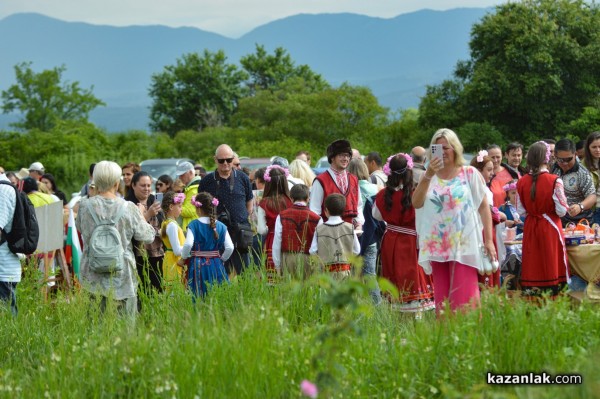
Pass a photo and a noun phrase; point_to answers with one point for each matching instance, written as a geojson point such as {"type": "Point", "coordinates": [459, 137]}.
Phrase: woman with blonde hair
{"type": "Point", "coordinates": [452, 210]}
{"type": "Point", "coordinates": [301, 170]}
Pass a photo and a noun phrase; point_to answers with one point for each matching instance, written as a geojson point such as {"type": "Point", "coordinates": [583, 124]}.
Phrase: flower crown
{"type": "Point", "coordinates": [548, 152]}
{"type": "Point", "coordinates": [409, 164]}
{"type": "Point", "coordinates": [481, 154]}
{"type": "Point", "coordinates": [198, 204]}
{"type": "Point", "coordinates": [270, 168]}
{"type": "Point", "coordinates": [178, 198]}
{"type": "Point", "coordinates": [510, 186]}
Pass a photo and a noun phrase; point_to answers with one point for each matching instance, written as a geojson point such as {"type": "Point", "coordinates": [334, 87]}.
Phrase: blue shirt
{"type": "Point", "coordinates": [233, 193]}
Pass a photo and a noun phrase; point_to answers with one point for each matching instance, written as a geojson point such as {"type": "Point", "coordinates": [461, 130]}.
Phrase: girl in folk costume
{"type": "Point", "coordinates": [276, 198]}
{"type": "Point", "coordinates": [399, 245]}
{"type": "Point", "coordinates": [484, 164]}
{"type": "Point", "coordinates": [509, 208]}
{"type": "Point", "coordinates": [172, 237]}
{"type": "Point", "coordinates": [541, 197]}
{"type": "Point", "coordinates": [206, 238]}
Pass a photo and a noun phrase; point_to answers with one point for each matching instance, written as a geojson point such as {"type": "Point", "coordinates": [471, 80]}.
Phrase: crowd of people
{"type": "Point", "coordinates": [429, 224]}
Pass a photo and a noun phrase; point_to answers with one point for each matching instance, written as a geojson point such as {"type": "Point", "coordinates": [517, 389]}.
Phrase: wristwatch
{"type": "Point", "coordinates": [581, 206]}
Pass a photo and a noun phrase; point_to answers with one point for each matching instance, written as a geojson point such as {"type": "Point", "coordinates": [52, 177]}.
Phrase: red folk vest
{"type": "Point", "coordinates": [329, 187]}
{"type": "Point", "coordinates": [298, 225]}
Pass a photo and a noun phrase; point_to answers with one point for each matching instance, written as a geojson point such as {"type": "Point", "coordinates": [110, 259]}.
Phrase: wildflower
{"type": "Point", "coordinates": [308, 389]}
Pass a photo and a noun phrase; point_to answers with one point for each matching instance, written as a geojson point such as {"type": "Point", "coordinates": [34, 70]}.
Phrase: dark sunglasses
{"type": "Point", "coordinates": [222, 161]}
{"type": "Point", "coordinates": [564, 160]}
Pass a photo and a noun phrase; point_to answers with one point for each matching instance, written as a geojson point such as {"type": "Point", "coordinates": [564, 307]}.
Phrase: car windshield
{"type": "Point", "coordinates": [158, 170]}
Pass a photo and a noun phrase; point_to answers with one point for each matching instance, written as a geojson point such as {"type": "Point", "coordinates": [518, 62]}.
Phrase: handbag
{"type": "Point", "coordinates": [244, 237]}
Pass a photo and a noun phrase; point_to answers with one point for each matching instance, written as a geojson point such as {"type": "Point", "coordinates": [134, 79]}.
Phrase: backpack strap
{"type": "Point", "coordinates": [113, 221]}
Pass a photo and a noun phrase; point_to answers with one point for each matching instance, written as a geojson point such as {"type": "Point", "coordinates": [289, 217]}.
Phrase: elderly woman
{"type": "Point", "coordinates": [452, 210]}
{"type": "Point", "coordinates": [122, 285]}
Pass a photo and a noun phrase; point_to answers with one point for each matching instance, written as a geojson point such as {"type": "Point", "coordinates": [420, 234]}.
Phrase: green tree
{"type": "Point", "coordinates": [44, 99]}
{"type": "Point", "coordinates": [270, 71]}
{"type": "Point", "coordinates": [533, 68]}
{"type": "Point", "coordinates": [199, 91]}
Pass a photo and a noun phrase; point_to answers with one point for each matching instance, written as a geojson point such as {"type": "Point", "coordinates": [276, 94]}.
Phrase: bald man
{"type": "Point", "coordinates": [418, 155]}
{"type": "Point", "coordinates": [233, 189]}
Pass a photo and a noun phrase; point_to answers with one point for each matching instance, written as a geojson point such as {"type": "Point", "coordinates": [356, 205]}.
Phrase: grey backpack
{"type": "Point", "coordinates": [105, 249]}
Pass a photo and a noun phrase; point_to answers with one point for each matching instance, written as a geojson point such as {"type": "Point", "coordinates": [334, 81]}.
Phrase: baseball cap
{"type": "Point", "coordinates": [183, 168]}
{"type": "Point", "coordinates": [37, 166]}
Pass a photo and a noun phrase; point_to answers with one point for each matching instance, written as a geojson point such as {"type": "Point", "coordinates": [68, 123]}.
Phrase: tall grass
{"type": "Point", "coordinates": [248, 340]}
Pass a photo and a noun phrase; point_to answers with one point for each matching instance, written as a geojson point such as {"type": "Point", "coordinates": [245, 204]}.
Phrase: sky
{"type": "Point", "coordinates": [231, 18]}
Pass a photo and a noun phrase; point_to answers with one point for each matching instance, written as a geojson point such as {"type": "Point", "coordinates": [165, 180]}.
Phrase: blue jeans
{"type": "Point", "coordinates": [577, 284]}
{"type": "Point", "coordinates": [8, 294]}
{"type": "Point", "coordinates": [369, 271]}
{"type": "Point", "coordinates": [238, 261]}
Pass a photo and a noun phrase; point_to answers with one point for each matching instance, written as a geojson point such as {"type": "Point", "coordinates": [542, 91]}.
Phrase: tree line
{"type": "Point", "coordinates": [532, 73]}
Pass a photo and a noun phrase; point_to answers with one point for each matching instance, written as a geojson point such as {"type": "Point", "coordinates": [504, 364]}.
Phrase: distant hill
{"type": "Point", "coordinates": [395, 57]}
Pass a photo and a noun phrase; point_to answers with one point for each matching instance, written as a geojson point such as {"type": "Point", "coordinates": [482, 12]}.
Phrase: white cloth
{"type": "Point", "coordinates": [10, 266]}
{"type": "Point", "coordinates": [276, 249]}
{"type": "Point", "coordinates": [189, 242]}
{"type": "Point", "coordinates": [314, 246]}
{"type": "Point", "coordinates": [317, 198]}
{"type": "Point", "coordinates": [292, 181]}
{"type": "Point", "coordinates": [261, 221]}
{"type": "Point", "coordinates": [172, 231]}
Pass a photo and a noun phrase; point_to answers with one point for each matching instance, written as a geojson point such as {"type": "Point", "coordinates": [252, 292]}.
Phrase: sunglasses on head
{"type": "Point", "coordinates": [564, 160]}
{"type": "Point", "coordinates": [222, 161]}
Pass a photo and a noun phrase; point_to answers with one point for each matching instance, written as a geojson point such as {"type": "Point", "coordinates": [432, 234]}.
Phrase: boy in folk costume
{"type": "Point", "coordinates": [335, 239]}
{"type": "Point", "coordinates": [294, 228]}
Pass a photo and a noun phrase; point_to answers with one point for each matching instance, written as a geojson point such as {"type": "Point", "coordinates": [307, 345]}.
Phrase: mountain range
{"type": "Point", "coordinates": [395, 57]}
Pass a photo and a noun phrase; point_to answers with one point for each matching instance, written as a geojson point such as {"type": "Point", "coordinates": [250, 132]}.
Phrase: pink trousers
{"type": "Point", "coordinates": [455, 282]}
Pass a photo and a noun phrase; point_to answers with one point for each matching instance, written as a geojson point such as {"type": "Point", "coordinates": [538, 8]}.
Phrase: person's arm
{"type": "Point", "coordinates": [261, 221]}
{"type": "Point", "coordinates": [316, 197]}
{"type": "Point", "coordinates": [360, 218]}
{"type": "Point", "coordinates": [228, 247]}
{"type": "Point", "coordinates": [560, 200]}
{"type": "Point", "coordinates": [172, 233]}
{"type": "Point", "coordinates": [142, 230]}
{"type": "Point", "coordinates": [356, 245]}
{"type": "Point", "coordinates": [249, 197]}
{"type": "Point", "coordinates": [276, 249]}
{"type": "Point", "coordinates": [314, 247]}
{"type": "Point", "coordinates": [188, 244]}
{"type": "Point", "coordinates": [376, 213]}
{"type": "Point", "coordinates": [486, 219]}
{"type": "Point", "coordinates": [420, 193]}
{"type": "Point", "coordinates": [589, 202]}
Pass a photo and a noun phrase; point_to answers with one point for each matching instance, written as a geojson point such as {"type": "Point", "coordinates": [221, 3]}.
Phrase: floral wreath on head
{"type": "Point", "coordinates": [409, 164]}
{"type": "Point", "coordinates": [548, 151]}
{"type": "Point", "coordinates": [481, 154]}
{"type": "Point", "coordinates": [198, 204]}
{"type": "Point", "coordinates": [509, 187]}
{"type": "Point", "coordinates": [270, 168]}
{"type": "Point", "coordinates": [178, 198]}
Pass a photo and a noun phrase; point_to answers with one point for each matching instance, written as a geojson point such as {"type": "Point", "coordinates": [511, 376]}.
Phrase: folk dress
{"type": "Point", "coordinates": [172, 272]}
{"type": "Point", "coordinates": [399, 254]}
{"type": "Point", "coordinates": [544, 260]}
{"type": "Point", "coordinates": [206, 264]}
{"type": "Point", "coordinates": [271, 218]}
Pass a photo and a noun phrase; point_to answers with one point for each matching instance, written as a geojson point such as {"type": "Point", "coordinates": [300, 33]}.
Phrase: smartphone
{"type": "Point", "coordinates": [437, 151]}
{"type": "Point", "coordinates": [158, 197]}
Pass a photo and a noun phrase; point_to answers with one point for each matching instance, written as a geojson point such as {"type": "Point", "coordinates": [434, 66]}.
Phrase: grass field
{"type": "Point", "coordinates": [249, 340]}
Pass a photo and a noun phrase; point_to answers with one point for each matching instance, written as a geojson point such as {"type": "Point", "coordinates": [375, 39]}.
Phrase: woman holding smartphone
{"type": "Point", "coordinates": [452, 210]}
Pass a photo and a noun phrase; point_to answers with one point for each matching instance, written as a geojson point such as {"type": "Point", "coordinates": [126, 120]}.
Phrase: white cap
{"type": "Point", "coordinates": [37, 166]}
{"type": "Point", "coordinates": [183, 168]}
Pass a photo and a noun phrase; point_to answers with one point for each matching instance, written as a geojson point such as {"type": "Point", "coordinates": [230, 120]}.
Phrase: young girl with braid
{"type": "Point", "coordinates": [399, 253]}
{"type": "Point", "coordinates": [541, 197]}
{"type": "Point", "coordinates": [276, 198]}
{"type": "Point", "coordinates": [172, 237]}
{"type": "Point", "coordinates": [208, 245]}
